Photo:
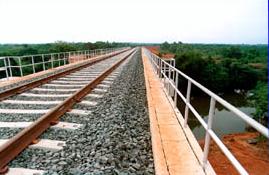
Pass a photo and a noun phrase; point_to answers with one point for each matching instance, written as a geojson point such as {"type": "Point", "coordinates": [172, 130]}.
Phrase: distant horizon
{"type": "Point", "coordinates": [134, 43]}
{"type": "Point", "coordinates": [189, 21]}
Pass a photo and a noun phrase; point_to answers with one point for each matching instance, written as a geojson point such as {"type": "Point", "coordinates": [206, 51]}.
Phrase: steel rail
{"type": "Point", "coordinates": [24, 138]}
{"type": "Point", "coordinates": [19, 89]}
{"type": "Point", "coordinates": [53, 60]}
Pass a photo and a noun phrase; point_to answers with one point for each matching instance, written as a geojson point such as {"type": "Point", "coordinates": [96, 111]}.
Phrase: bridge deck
{"type": "Point", "coordinates": [171, 149]}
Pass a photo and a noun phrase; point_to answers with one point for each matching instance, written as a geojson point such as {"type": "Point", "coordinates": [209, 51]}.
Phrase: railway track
{"type": "Point", "coordinates": [29, 110]}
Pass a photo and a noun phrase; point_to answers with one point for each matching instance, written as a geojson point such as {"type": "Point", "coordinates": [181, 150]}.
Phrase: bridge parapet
{"type": "Point", "coordinates": [169, 75]}
{"type": "Point", "coordinates": [18, 66]}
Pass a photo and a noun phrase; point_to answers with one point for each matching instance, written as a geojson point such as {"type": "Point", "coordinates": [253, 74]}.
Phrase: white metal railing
{"type": "Point", "coordinates": [170, 75]}
{"type": "Point", "coordinates": [17, 64]}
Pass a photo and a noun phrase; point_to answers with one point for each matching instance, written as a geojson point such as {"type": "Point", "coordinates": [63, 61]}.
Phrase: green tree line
{"type": "Point", "coordinates": [223, 68]}
{"type": "Point", "coordinates": [34, 49]}
{"type": "Point", "coordinates": [59, 46]}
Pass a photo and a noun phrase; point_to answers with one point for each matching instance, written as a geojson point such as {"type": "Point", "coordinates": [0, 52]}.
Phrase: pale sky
{"type": "Point", "coordinates": [189, 21]}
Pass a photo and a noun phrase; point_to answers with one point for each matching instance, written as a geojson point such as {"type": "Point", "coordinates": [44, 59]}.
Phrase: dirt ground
{"type": "Point", "coordinates": [254, 157]}
{"type": "Point", "coordinates": [155, 50]}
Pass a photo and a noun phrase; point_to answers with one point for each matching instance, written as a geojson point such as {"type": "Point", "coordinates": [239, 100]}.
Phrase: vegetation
{"type": "Point", "coordinates": [260, 101]}
{"type": "Point", "coordinates": [221, 68]}
{"type": "Point", "coordinates": [225, 68]}
{"type": "Point", "coordinates": [34, 49]}
{"type": "Point", "coordinates": [59, 46]}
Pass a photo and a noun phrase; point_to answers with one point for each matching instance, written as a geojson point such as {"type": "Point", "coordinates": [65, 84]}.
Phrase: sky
{"type": "Point", "coordinates": [146, 21]}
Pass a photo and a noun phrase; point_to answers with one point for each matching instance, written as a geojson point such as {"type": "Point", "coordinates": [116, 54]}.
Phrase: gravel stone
{"type": "Point", "coordinates": [115, 137]}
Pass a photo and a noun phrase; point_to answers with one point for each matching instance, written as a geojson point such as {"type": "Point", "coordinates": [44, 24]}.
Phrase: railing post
{"type": "Point", "coordinates": [33, 64]}
{"type": "Point", "coordinates": [10, 68]}
{"type": "Point", "coordinates": [164, 66]}
{"type": "Point", "coordinates": [161, 67]}
{"type": "Point", "coordinates": [209, 126]}
{"type": "Point", "coordinates": [156, 64]}
{"type": "Point", "coordinates": [20, 66]}
{"type": "Point", "coordinates": [186, 115]}
{"type": "Point", "coordinates": [174, 72]}
{"type": "Point", "coordinates": [52, 59]}
{"type": "Point", "coordinates": [43, 62]}
{"type": "Point", "coordinates": [169, 75]}
{"type": "Point", "coordinates": [65, 58]}
{"type": "Point", "coordinates": [176, 84]}
{"type": "Point", "coordinates": [5, 63]}
{"type": "Point", "coordinates": [59, 60]}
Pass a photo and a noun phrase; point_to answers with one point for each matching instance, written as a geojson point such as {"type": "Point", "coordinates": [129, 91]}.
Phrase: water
{"type": "Point", "coordinates": [225, 122]}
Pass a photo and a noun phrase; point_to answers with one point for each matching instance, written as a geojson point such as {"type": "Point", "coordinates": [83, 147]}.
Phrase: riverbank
{"type": "Point", "coordinates": [156, 51]}
{"type": "Point", "coordinates": [253, 156]}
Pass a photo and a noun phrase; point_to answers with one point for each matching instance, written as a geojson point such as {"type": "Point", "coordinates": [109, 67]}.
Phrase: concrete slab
{"type": "Point", "coordinates": [52, 145]}
{"type": "Point", "coordinates": [60, 125]}
{"type": "Point", "coordinates": [81, 77]}
{"type": "Point", "coordinates": [112, 76]}
{"type": "Point", "coordinates": [109, 79]}
{"type": "Point", "coordinates": [23, 111]}
{"type": "Point", "coordinates": [172, 151]}
{"type": "Point", "coordinates": [79, 112]}
{"type": "Point", "coordinates": [44, 95]}
{"type": "Point", "coordinates": [89, 103]}
{"type": "Point", "coordinates": [24, 171]}
{"type": "Point", "coordinates": [99, 90]}
{"type": "Point", "coordinates": [63, 85]}
{"type": "Point", "coordinates": [107, 82]}
{"type": "Point", "coordinates": [55, 90]}
{"type": "Point", "coordinates": [171, 132]}
{"type": "Point", "coordinates": [76, 78]}
{"type": "Point", "coordinates": [94, 95]}
{"type": "Point", "coordinates": [31, 102]}
{"type": "Point", "coordinates": [70, 82]}
{"type": "Point", "coordinates": [40, 111]}
{"type": "Point", "coordinates": [103, 85]}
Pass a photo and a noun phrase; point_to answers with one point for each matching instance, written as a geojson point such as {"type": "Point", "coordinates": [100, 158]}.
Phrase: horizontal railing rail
{"type": "Point", "coordinates": [11, 66]}
{"type": "Point", "coordinates": [169, 74]}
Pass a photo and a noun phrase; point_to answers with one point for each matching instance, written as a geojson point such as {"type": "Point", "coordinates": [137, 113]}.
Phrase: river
{"type": "Point", "coordinates": [225, 122]}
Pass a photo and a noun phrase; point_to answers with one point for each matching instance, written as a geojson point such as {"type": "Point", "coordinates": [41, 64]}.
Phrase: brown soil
{"type": "Point", "coordinates": [253, 157]}
{"type": "Point", "coordinates": [155, 50]}
{"type": "Point", "coordinates": [257, 65]}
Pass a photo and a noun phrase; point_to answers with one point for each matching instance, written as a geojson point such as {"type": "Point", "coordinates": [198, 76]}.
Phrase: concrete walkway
{"type": "Point", "coordinates": [172, 152]}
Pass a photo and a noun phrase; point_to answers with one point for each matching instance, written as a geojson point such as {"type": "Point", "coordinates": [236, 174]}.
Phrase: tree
{"type": "Point", "coordinates": [242, 76]}
{"type": "Point", "coordinates": [221, 67]}
{"type": "Point", "coordinates": [61, 46]}
{"type": "Point", "coordinates": [259, 100]}
{"type": "Point", "coordinates": [27, 50]}
{"type": "Point", "coordinates": [232, 52]}
{"type": "Point", "coordinates": [89, 46]}
{"type": "Point", "coordinates": [215, 76]}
